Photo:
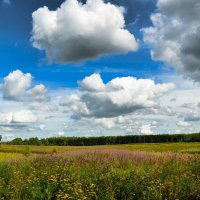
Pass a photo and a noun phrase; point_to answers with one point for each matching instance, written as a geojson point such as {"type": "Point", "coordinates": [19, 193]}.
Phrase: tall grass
{"type": "Point", "coordinates": [102, 174]}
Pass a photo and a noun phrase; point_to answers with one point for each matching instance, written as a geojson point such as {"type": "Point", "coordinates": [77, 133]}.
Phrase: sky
{"type": "Point", "coordinates": [98, 68]}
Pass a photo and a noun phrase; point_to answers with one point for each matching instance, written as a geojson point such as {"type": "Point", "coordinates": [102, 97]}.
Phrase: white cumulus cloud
{"type": "Point", "coordinates": [15, 85]}
{"type": "Point", "coordinates": [175, 35]}
{"type": "Point", "coordinates": [76, 32]}
{"type": "Point", "coordinates": [117, 97]}
{"type": "Point", "coordinates": [24, 116]}
{"type": "Point", "coordinates": [38, 93]}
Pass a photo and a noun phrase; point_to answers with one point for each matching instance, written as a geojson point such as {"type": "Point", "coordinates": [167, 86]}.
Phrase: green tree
{"type": "Point", "coordinates": [17, 141]}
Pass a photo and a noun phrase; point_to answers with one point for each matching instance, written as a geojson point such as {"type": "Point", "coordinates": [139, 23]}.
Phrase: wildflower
{"type": "Point", "coordinates": [92, 185]}
{"type": "Point", "coordinates": [66, 196]}
{"type": "Point", "coordinates": [65, 180]}
{"type": "Point", "coordinates": [80, 191]}
{"type": "Point", "coordinates": [53, 178]}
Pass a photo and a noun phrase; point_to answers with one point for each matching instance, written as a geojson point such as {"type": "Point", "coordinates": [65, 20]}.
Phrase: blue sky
{"type": "Point", "coordinates": [18, 52]}
{"type": "Point", "coordinates": [64, 70]}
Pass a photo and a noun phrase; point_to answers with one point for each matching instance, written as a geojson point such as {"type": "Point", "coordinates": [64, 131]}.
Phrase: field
{"type": "Point", "coordinates": [122, 172]}
{"type": "Point", "coordinates": [193, 147]}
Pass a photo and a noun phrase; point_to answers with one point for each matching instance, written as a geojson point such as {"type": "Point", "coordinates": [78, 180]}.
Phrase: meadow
{"type": "Point", "coordinates": [165, 171]}
{"type": "Point", "coordinates": [180, 147]}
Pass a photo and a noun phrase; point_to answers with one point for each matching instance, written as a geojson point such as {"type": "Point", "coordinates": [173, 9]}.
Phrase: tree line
{"type": "Point", "coordinates": [89, 141]}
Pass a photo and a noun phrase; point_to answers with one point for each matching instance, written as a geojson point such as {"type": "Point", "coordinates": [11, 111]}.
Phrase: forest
{"type": "Point", "coordinates": [107, 140]}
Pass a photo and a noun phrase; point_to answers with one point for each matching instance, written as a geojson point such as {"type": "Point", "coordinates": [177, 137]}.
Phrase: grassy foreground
{"type": "Point", "coordinates": [104, 173]}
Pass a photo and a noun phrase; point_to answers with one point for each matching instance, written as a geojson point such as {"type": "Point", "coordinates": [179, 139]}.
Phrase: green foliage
{"type": "Point", "coordinates": [17, 141]}
{"type": "Point", "coordinates": [89, 141]}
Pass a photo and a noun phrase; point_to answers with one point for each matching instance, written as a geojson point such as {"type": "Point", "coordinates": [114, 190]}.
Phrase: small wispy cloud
{"type": "Point", "coordinates": [7, 2]}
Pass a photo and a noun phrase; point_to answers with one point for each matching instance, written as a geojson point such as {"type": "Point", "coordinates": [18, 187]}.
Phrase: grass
{"type": "Point", "coordinates": [152, 147]}
{"type": "Point", "coordinates": [10, 156]}
{"type": "Point", "coordinates": [166, 147]}
{"type": "Point", "coordinates": [117, 172]}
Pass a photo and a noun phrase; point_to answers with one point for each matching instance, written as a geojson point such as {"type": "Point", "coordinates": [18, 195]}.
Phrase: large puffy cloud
{"type": "Point", "coordinates": [175, 111]}
{"type": "Point", "coordinates": [117, 97]}
{"type": "Point", "coordinates": [76, 32]}
{"type": "Point", "coordinates": [17, 87]}
{"type": "Point", "coordinates": [175, 35]}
